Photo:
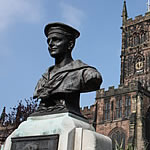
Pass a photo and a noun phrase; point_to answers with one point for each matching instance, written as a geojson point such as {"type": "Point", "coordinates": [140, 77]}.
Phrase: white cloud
{"type": "Point", "coordinates": [72, 15]}
{"type": "Point", "coordinates": [13, 10]}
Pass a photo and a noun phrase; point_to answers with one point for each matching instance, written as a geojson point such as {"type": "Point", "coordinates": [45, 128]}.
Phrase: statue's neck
{"type": "Point", "coordinates": [62, 61]}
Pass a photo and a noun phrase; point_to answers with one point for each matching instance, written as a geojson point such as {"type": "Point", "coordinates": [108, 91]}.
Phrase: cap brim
{"type": "Point", "coordinates": [51, 26]}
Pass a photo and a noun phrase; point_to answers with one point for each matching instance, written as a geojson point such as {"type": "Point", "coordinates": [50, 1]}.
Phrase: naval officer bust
{"type": "Point", "coordinates": [60, 86]}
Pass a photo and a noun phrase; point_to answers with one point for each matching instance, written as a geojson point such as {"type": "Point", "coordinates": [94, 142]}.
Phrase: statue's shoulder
{"type": "Point", "coordinates": [81, 64]}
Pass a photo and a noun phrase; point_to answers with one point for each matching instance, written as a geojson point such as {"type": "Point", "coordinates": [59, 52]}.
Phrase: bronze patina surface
{"type": "Point", "coordinates": [60, 86]}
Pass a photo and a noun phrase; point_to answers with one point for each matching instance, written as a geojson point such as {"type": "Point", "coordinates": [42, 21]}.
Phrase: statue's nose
{"type": "Point", "coordinates": [51, 43]}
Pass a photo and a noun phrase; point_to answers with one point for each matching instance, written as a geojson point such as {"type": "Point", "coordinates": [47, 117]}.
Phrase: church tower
{"type": "Point", "coordinates": [135, 52]}
{"type": "Point", "coordinates": [123, 113]}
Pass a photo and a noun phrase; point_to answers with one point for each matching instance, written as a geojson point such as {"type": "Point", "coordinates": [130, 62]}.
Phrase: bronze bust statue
{"type": "Point", "coordinates": [60, 86]}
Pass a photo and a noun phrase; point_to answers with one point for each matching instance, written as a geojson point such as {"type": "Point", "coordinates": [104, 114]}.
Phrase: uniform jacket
{"type": "Point", "coordinates": [67, 79]}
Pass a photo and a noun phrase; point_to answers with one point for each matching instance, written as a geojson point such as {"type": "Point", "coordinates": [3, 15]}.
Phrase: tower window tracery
{"type": "Point", "coordinates": [107, 110]}
{"type": "Point", "coordinates": [127, 105]}
{"type": "Point", "coordinates": [130, 41]}
{"type": "Point", "coordinates": [118, 107]}
{"type": "Point", "coordinates": [143, 37]}
{"type": "Point", "coordinates": [136, 34]}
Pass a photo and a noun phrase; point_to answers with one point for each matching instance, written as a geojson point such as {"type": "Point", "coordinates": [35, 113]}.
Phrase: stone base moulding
{"type": "Point", "coordinates": [89, 140]}
{"type": "Point", "coordinates": [73, 133]}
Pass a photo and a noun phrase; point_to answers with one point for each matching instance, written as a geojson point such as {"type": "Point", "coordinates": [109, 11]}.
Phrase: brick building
{"type": "Point", "coordinates": [124, 113]}
{"type": "Point", "coordinates": [4, 132]}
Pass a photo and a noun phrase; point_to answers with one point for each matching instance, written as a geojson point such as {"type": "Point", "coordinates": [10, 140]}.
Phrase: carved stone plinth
{"type": "Point", "coordinates": [64, 131]}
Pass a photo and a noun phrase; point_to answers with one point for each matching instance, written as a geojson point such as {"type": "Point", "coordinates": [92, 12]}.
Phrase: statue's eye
{"type": "Point", "coordinates": [55, 39]}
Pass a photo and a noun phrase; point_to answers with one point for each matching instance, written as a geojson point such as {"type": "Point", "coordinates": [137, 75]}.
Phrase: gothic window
{"type": "Point", "coordinates": [127, 105]}
{"type": "Point", "coordinates": [118, 107]}
{"type": "Point", "coordinates": [107, 110]}
{"type": "Point", "coordinates": [134, 40]}
{"type": "Point", "coordinates": [143, 37]}
{"type": "Point", "coordinates": [130, 65]}
{"type": "Point", "coordinates": [118, 139]}
{"type": "Point", "coordinates": [146, 35]}
{"type": "Point", "coordinates": [131, 41]}
{"type": "Point", "coordinates": [137, 39]}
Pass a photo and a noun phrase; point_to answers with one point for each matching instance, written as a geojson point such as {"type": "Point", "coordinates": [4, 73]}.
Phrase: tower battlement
{"type": "Point", "coordinates": [137, 19]}
{"type": "Point", "coordinates": [87, 109]}
{"type": "Point", "coordinates": [122, 89]}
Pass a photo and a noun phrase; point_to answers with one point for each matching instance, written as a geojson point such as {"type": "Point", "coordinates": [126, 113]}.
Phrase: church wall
{"type": "Point", "coordinates": [89, 112]}
{"type": "Point", "coordinates": [108, 127]}
{"type": "Point", "coordinates": [126, 123]}
{"type": "Point", "coordinates": [4, 133]}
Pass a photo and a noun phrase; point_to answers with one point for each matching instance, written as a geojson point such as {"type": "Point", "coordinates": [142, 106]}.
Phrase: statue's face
{"type": "Point", "coordinates": [57, 44]}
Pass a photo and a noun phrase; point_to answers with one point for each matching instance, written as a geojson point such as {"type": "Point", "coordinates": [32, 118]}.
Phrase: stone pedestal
{"type": "Point", "coordinates": [63, 131]}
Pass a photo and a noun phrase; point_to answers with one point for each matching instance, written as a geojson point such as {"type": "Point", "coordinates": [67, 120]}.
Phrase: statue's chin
{"type": "Point", "coordinates": [55, 55]}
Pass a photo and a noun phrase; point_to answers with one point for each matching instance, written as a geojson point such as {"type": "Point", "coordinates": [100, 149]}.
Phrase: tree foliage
{"type": "Point", "coordinates": [18, 113]}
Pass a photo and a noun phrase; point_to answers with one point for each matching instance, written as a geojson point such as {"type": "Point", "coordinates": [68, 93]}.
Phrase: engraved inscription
{"type": "Point", "coordinates": [31, 147]}
{"type": "Point", "coordinates": [49, 142]}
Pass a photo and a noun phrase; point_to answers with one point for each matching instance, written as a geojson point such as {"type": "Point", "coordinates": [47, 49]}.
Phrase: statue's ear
{"type": "Point", "coordinates": [71, 44]}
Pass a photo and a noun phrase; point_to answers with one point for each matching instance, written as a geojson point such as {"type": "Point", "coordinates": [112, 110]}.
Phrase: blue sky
{"type": "Point", "coordinates": [23, 48]}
